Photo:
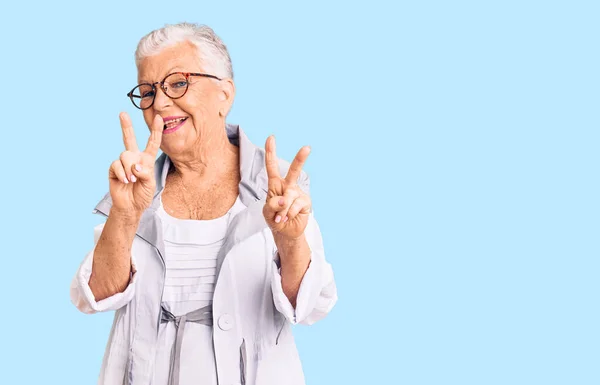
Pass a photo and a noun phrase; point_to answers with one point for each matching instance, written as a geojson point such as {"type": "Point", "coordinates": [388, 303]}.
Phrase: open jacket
{"type": "Point", "coordinates": [252, 317]}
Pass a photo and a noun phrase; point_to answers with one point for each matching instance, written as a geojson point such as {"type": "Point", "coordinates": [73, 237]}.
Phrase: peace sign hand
{"type": "Point", "coordinates": [287, 207]}
{"type": "Point", "coordinates": [131, 177]}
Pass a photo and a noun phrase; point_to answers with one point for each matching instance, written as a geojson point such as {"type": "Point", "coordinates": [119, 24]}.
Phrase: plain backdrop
{"type": "Point", "coordinates": [454, 175]}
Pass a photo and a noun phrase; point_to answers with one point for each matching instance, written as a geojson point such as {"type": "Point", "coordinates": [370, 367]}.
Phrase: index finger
{"type": "Point", "coordinates": [296, 166]}
{"type": "Point", "coordinates": [271, 158]}
{"type": "Point", "coordinates": [128, 133]}
{"type": "Point", "coordinates": [155, 138]}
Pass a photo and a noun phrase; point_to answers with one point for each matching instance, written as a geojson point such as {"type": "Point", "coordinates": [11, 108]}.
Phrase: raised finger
{"type": "Point", "coordinates": [271, 158]}
{"type": "Point", "coordinates": [116, 171]}
{"type": "Point", "coordinates": [128, 133]}
{"type": "Point", "coordinates": [156, 131]}
{"type": "Point", "coordinates": [297, 164]}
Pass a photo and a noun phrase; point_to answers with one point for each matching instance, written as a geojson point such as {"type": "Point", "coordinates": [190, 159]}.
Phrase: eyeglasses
{"type": "Point", "coordinates": [174, 85]}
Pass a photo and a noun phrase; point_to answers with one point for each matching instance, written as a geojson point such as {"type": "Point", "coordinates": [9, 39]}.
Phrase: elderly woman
{"type": "Point", "coordinates": [211, 252]}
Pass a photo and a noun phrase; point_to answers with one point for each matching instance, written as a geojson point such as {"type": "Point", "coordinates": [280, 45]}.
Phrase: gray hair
{"type": "Point", "coordinates": [212, 51]}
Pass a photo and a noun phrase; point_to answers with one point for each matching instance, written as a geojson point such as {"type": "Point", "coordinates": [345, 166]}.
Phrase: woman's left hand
{"type": "Point", "coordinates": [287, 207]}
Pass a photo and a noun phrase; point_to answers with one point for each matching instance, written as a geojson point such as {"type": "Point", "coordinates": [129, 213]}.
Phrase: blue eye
{"type": "Point", "coordinates": [148, 94]}
{"type": "Point", "coordinates": [179, 84]}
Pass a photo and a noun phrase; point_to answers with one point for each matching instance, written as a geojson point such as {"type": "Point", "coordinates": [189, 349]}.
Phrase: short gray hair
{"type": "Point", "coordinates": [212, 51]}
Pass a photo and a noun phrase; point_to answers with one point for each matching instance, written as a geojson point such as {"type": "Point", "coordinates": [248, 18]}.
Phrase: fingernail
{"type": "Point", "coordinates": [125, 180]}
{"type": "Point", "coordinates": [138, 168]}
{"type": "Point", "coordinates": [281, 202]}
{"type": "Point", "coordinates": [133, 178]}
{"type": "Point", "coordinates": [278, 219]}
{"type": "Point", "coordinates": [285, 219]}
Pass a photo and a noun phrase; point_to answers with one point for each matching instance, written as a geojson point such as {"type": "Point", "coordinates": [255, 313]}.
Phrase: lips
{"type": "Point", "coordinates": [172, 122]}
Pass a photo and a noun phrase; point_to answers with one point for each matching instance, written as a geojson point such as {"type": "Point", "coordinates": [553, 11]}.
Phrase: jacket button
{"type": "Point", "coordinates": [225, 322]}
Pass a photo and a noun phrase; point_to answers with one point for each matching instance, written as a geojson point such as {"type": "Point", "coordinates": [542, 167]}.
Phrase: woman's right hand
{"type": "Point", "coordinates": [131, 177]}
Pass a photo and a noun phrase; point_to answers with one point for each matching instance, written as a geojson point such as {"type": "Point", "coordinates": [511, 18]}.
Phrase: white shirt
{"type": "Point", "coordinates": [191, 248]}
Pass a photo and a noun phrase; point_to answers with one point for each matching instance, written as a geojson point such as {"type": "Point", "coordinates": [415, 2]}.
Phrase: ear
{"type": "Point", "coordinates": [226, 95]}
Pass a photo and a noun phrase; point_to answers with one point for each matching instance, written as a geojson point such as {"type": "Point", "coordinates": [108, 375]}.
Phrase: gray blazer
{"type": "Point", "coordinates": [251, 317]}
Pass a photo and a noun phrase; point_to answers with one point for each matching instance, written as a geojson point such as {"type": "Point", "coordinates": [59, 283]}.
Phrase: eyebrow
{"type": "Point", "coordinates": [170, 71]}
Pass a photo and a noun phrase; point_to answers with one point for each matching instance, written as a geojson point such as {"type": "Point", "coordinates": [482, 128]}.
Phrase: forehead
{"type": "Point", "coordinates": [181, 57]}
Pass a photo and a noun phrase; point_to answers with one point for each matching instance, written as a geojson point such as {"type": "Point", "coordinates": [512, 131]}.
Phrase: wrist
{"type": "Point", "coordinates": [284, 240]}
{"type": "Point", "coordinates": [291, 248]}
{"type": "Point", "coordinates": [281, 236]}
{"type": "Point", "coordinates": [125, 216]}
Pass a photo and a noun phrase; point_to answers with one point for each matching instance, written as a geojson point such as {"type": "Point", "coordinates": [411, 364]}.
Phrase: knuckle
{"type": "Point", "coordinates": [274, 203]}
{"type": "Point", "coordinates": [269, 204]}
{"type": "Point", "coordinates": [116, 166]}
{"type": "Point", "coordinates": [128, 157]}
{"type": "Point", "coordinates": [292, 193]}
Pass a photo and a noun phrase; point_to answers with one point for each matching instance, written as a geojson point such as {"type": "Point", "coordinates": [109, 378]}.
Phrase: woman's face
{"type": "Point", "coordinates": [204, 106]}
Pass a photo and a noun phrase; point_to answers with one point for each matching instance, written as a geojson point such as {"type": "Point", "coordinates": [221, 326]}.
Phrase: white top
{"type": "Point", "coordinates": [191, 248]}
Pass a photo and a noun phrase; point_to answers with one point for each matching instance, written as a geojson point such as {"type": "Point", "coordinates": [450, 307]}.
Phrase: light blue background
{"type": "Point", "coordinates": [454, 175]}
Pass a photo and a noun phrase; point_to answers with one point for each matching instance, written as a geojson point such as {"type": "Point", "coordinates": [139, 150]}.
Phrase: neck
{"type": "Point", "coordinates": [212, 158]}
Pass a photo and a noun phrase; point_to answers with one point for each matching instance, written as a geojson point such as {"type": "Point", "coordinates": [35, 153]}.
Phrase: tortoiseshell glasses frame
{"type": "Point", "coordinates": [174, 85]}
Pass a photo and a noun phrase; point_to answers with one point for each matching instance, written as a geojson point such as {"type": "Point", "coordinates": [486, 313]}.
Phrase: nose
{"type": "Point", "coordinates": [161, 100]}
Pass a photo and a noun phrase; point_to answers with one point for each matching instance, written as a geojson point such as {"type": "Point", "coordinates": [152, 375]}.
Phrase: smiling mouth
{"type": "Point", "coordinates": [173, 123]}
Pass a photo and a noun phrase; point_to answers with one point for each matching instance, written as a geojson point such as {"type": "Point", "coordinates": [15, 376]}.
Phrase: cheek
{"type": "Point", "coordinates": [198, 103]}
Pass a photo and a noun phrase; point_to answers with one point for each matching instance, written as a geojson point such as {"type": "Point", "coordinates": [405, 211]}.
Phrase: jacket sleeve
{"type": "Point", "coordinates": [318, 293]}
{"type": "Point", "coordinates": [81, 294]}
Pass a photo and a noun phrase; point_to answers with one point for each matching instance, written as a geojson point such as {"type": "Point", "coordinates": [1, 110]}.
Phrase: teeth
{"type": "Point", "coordinates": [175, 120]}
{"type": "Point", "coordinates": [173, 123]}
